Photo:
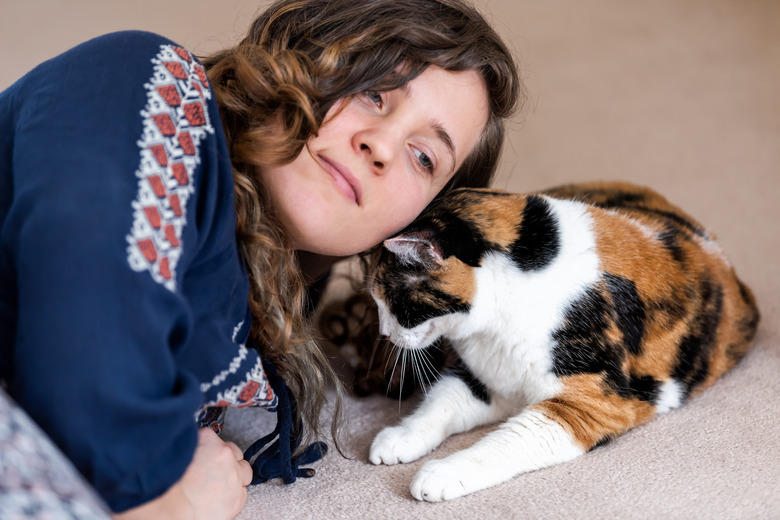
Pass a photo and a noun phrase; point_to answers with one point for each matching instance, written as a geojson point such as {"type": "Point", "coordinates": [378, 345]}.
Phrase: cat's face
{"type": "Point", "coordinates": [415, 291]}
{"type": "Point", "coordinates": [424, 281]}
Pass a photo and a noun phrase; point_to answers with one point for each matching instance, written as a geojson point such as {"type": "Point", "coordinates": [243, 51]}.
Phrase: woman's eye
{"type": "Point", "coordinates": [375, 97]}
{"type": "Point", "coordinates": [424, 160]}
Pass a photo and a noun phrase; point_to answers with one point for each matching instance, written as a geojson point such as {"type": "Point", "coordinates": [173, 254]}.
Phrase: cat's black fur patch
{"type": "Point", "coordinates": [582, 345]}
{"type": "Point", "coordinates": [645, 388]}
{"type": "Point", "coordinates": [677, 219]}
{"type": "Point", "coordinates": [601, 442]}
{"type": "Point", "coordinates": [671, 243]}
{"type": "Point", "coordinates": [538, 243]}
{"type": "Point", "coordinates": [458, 238]}
{"type": "Point", "coordinates": [629, 311]}
{"type": "Point", "coordinates": [695, 348]}
{"type": "Point", "coordinates": [413, 312]}
{"type": "Point", "coordinates": [668, 310]}
{"type": "Point", "coordinates": [453, 235]}
{"type": "Point", "coordinates": [478, 389]}
{"type": "Point", "coordinates": [638, 202]}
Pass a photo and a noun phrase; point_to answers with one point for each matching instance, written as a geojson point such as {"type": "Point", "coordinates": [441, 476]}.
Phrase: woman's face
{"type": "Point", "coordinates": [377, 161]}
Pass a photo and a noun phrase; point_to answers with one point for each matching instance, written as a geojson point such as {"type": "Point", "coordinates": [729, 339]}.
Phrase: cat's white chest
{"type": "Point", "coordinates": [521, 375]}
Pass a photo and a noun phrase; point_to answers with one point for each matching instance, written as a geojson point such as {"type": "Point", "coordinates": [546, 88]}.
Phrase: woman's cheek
{"type": "Point", "coordinates": [406, 212]}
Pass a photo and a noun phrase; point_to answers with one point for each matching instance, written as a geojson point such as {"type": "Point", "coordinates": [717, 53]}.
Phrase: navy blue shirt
{"type": "Point", "coordinates": [123, 299]}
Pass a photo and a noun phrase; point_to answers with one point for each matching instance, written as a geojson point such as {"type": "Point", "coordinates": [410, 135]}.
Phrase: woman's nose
{"type": "Point", "coordinates": [377, 163]}
{"type": "Point", "coordinates": [378, 147]}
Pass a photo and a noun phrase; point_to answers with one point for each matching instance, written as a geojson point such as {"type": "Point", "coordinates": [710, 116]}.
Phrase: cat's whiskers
{"type": "Point", "coordinates": [424, 369]}
{"type": "Point", "coordinates": [398, 355]}
{"type": "Point", "coordinates": [403, 373]}
{"type": "Point", "coordinates": [416, 371]}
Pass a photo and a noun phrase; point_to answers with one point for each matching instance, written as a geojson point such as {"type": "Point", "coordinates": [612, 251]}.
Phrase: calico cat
{"type": "Point", "coordinates": [576, 314]}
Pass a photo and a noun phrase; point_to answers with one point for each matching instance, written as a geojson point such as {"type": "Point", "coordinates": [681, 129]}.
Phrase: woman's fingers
{"type": "Point", "coordinates": [246, 474]}
{"type": "Point", "coordinates": [236, 450]}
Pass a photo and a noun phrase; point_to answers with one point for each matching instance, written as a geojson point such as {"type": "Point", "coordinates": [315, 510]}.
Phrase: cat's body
{"type": "Point", "coordinates": [576, 315]}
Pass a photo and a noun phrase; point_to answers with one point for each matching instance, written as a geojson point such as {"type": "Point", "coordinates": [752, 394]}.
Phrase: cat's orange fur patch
{"type": "Point", "coordinates": [496, 218]}
{"type": "Point", "coordinates": [590, 413]}
{"type": "Point", "coordinates": [458, 280]}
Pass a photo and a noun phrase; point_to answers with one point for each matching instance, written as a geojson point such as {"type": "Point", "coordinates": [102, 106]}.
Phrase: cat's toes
{"type": "Point", "coordinates": [396, 444]}
{"type": "Point", "coordinates": [439, 480]}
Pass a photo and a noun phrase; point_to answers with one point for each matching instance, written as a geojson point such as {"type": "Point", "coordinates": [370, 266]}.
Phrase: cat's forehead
{"type": "Point", "coordinates": [492, 214]}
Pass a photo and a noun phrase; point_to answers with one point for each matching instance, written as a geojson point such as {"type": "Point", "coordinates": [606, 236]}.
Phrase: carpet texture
{"type": "Point", "coordinates": [681, 96]}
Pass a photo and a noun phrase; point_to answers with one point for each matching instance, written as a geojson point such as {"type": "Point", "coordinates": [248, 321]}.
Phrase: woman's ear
{"type": "Point", "coordinates": [414, 248]}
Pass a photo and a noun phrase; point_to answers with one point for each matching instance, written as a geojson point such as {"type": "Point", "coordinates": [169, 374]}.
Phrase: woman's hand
{"type": "Point", "coordinates": [213, 487]}
{"type": "Point", "coordinates": [215, 481]}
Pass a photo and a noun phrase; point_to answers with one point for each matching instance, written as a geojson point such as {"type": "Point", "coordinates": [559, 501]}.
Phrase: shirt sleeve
{"type": "Point", "coordinates": [101, 247]}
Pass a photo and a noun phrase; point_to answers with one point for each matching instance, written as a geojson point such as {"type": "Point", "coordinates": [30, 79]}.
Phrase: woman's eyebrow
{"type": "Point", "coordinates": [441, 132]}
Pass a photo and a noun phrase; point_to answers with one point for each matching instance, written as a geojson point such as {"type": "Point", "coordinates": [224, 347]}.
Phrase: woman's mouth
{"type": "Point", "coordinates": [346, 183]}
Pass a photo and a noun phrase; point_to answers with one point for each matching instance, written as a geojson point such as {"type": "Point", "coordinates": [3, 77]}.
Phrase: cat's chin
{"type": "Point", "coordinates": [420, 337]}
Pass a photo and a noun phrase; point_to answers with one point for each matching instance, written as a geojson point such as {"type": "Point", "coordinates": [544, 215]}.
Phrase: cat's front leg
{"type": "Point", "coordinates": [449, 407]}
{"type": "Point", "coordinates": [523, 443]}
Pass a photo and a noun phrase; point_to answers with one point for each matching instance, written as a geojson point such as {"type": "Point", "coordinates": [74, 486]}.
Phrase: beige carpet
{"type": "Point", "coordinates": [681, 95]}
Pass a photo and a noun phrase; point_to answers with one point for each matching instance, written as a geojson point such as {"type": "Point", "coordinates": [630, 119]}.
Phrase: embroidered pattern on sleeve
{"type": "Point", "coordinates": [175, 120]}
{"type": "Point", "coordinates": [242, 384]}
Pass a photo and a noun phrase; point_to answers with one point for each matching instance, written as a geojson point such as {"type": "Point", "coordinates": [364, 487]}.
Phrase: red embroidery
{"type": "Point", "coordinates": [249, 391]}
{"type": "Point", "coordinates": [153, 216]}
{"type": "Point", "coordinates": [147, 248]}
{"type": "Point", "coordinates": [165, 270]}
{"type": "Point", "coordinates": [173, 200]}
{"type": "Point", "coordinates": [185, 141]}
{"type": "Point", "coordinates": [183, 54]}
{"type": "Point", "coordinates": [180, 173]}
{"type": "Point", "coordinates": [175, 122]}
{"type": "Point", "coordinates": [176, 69]}
{"type": "Point", "coordinates": [158, 151]}
{"type": "Point", "coordinates": [170, 234]}
{"type": "Point", "coordinates": [165, 124]}
{"type": "Point", "coordinates": [157, 185]}
{"type": "Point", "coordinates": [170, 95]}
{"type": "Point", "coordinates": [201, 75]}
{"type": "Point", "coordinates": [194, 114]}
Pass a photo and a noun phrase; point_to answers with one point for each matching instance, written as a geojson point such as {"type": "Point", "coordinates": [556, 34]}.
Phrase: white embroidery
{"type": "Point", "coordinates": [236, 329]}
{"type": "Point", "coordinates": [234, 364]}
{"type": "Point", "coordinates": [175, 120]}
{"type": "Point", "coordinates": [253, 390]}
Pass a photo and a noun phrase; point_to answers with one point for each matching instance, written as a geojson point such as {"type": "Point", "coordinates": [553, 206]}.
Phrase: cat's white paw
{"type": "Point", "coordinates": [440, 480]}
{"type": "Point", "coordinates": [397, 444]}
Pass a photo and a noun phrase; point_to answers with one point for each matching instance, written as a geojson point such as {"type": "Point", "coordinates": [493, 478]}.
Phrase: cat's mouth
{"type": "Point", "coordinates": [416, 339]}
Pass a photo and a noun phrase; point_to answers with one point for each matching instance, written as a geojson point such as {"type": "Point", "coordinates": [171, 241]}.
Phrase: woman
{"type": "Point", "coordinates": [147, 199]}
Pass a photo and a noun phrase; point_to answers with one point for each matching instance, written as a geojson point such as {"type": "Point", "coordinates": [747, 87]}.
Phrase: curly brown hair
{"type": "Point", "coordinates": [274, 89]}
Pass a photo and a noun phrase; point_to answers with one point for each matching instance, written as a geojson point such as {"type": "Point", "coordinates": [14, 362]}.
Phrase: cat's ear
{"type": "Point", "coordinates": [414, 248]}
